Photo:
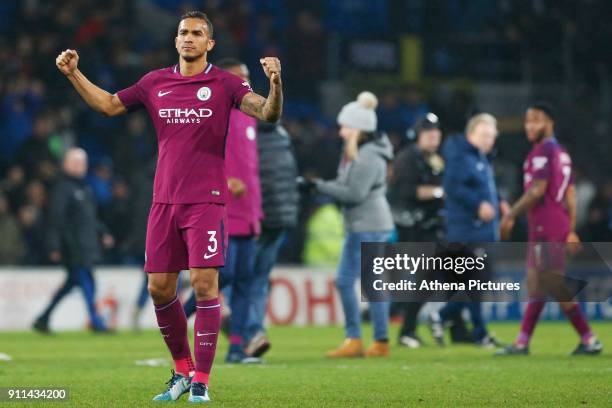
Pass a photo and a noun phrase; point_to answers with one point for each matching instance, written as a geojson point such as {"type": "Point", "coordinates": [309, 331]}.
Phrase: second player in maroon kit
{"type": "Point", "coordinates": [189, 104]}
{"type": "Point", "coordinates": [549, 218]}
{"type": "Point", "coordinates": [550, 202]}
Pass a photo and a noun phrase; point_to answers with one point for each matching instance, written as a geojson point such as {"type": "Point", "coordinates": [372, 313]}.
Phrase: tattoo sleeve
{"type": "Point", "coordinates": [530, 198]}
{"type": "Point", "coordinates": [266, 109]}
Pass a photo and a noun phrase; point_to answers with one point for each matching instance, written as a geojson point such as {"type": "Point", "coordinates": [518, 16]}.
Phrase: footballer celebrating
{"type": "Point", "coordinates": [550, 201]}
{"type": "Point", "coordinates": [189, 104]}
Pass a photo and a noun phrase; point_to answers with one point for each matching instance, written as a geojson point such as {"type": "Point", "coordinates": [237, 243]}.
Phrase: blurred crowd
{"type": "Point", "coordinates": [118, 41]}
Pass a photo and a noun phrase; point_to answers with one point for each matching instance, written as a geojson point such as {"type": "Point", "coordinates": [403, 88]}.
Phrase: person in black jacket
{"type": "Point", "coordinates": [277, 174]}
{"type": "Point", "coordinates": [416, 190]}
{"type": "Point", "coordinates": [74, 237]}
{"type": "Point", "coordinates": [416, 197]}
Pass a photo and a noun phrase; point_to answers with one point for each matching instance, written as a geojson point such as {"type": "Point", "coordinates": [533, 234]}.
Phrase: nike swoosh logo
{"type": "Point", "coordinates": [163, 327]}
{"type": "Point", "coordinates": [160, 93]}
{"type": "Point", "coordinates": [204, 334]}
{"type": "Point", "coordinates": [208, 256]}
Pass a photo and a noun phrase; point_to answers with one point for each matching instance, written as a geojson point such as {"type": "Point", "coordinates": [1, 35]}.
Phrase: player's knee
{"type": "Point", "coordinates": [161, 292]}
{"type": "Point", "coordinates": [205, 287]}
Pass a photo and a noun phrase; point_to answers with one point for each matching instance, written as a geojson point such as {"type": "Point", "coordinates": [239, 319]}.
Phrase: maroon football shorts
{"type": "Point", "coordinates": [183, 236]}
{"type": "Point", "coordinates": [547, 252]}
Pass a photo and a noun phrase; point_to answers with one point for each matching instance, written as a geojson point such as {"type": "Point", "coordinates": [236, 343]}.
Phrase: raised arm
{"type": "Point", "coordinates": [94, 96]}
{"type": "Point", "coordinates": [267, 109]}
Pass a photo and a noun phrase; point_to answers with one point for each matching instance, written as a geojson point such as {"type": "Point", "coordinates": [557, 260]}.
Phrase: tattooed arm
{"type": "Point", "coordinates": [266, 109]}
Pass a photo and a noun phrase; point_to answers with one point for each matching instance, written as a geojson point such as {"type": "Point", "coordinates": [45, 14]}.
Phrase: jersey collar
{"type": "Point", "coordinates": [176, 70]}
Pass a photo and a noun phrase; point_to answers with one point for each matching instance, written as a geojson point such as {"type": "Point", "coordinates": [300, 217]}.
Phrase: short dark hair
{"type": "Point", "coordinates": [201, 16]}
{"type": "Point", "coordinates": [226, 63]}
{"type": "Point", "coordinates": [545, 107]}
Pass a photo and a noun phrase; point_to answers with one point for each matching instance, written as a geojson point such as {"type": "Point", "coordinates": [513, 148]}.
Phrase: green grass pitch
{"type": "Point", "coordinates": [100, 371]}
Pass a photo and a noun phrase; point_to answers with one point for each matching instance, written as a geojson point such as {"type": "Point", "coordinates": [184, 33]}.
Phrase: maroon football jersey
{"type": "Point", "coordinates": [191, 116]}
{"type": "Point", "coordinates": [549, 161]}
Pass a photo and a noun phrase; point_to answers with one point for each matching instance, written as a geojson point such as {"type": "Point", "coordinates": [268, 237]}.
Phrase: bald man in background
{"type": "Point", "coordinates": [74, 236]}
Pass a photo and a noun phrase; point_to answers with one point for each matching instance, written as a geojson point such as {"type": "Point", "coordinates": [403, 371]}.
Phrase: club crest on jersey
{"type": "Point", "coordinates": [204, 93]}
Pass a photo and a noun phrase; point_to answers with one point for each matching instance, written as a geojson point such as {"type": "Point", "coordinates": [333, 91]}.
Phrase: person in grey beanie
{"type": "Point", "coordinates": [360, 187]}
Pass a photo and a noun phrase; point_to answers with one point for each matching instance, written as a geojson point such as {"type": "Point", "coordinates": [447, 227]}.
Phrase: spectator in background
{"type": "Point", "coordinates": [35, 155]}
{"type": "Point", "coordinates": [277, 173]}
{"type": "Point", "coordinates": [306, 58]}
{"type": "Point", "coordinates": [32, 217]}
{"type": "Point", "coordinates": [11, 243]}
{"type": "Point", "coordinates": [101, 181]}
{"type": "Point", "coordinates": [459, 105]}
{"type": "Point", "coordinates": [64, 136]}
{"type": "Point", "coordinates": [391, 118]}
{"type": "Point", "coordinates": [390, 113]}
{"type": "Point", "coordinates": [74, 237]}
{"type": "Point", "coordinates": [413, 106]}
{"type": "Point", "coordinates": [19, 105]}
{"type": "Point", "coordinates": [360, 187]}
{"type": "Point", "coordinates": [13, 186]}
{"type": "Point", "coordinates": [226, 44]}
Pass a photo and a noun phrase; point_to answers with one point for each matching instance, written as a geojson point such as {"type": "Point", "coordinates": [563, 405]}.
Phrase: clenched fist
{"type": "Point", "coordinates": [67, 61]}
{"type": "Point", "coordinates": [272, 68]}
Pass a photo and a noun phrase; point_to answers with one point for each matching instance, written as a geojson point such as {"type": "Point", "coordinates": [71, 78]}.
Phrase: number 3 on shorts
{"type": "Point", "coordinates": [212, 248]}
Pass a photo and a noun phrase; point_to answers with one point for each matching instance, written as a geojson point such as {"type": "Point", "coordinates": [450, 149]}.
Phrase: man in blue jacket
{"type": "Point", "coordinates": [472, 208]}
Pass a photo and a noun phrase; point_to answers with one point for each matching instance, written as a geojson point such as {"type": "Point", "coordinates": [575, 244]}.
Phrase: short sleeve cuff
{"type": "Point", "coordinates": [240, 95]}
{"type": "Point", "coordinates": [130, 98]}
